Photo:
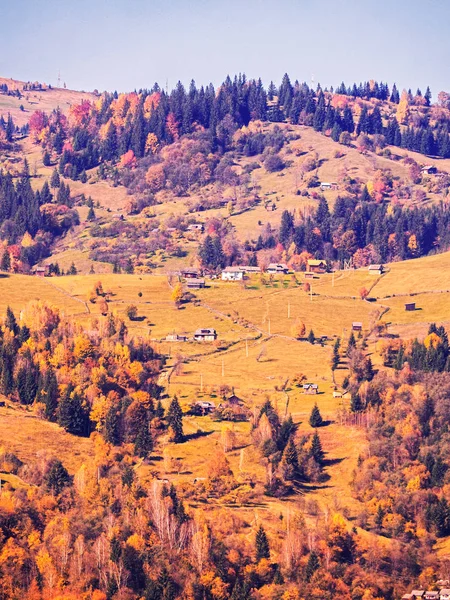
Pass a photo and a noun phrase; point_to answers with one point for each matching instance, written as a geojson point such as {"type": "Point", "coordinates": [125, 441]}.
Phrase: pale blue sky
{"type": "Point", "coordinates": [107, 44]}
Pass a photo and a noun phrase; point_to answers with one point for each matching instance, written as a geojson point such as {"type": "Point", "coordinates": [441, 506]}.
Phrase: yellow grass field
{"type": "Point", "coordinates": [28, 437]}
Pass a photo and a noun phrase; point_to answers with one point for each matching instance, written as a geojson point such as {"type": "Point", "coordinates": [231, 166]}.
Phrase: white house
{"type": "Point", "coordinates": [233, 274]}
{"type": "Point", "coordinates": [205, 335]}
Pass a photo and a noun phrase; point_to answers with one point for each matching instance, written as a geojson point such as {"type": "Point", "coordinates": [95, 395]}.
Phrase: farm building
{"type": "Point", "coordinates": [376, 270]}
{"type": "Point", "coordinates": [195, 284]}
{"type": "Point", "coordinates": [174, 337]}
{"type": "Point", "coordinates": [309, 275]}
{"type": "Point", "coordinates": [249, 269]}
{"type": "Point", "coordinates": [205, 335]}
{"type": "Point", "coordinates": [326, 185]}
{"type": "Point", "coordinates": [118, 217]}
{"type": "Point", "coordinates": [410, 306]}
{"type": "Point", "coordinates": [203, 407]}
{"type": "Point", "coordinates": [317, 266]}
{"type": "Point", "coordinates": [357, 326]}
{"type": "Point", "coordinates": [233, 274]}
{"type": "Point", "coordinates": [310, 388]}
{"type": "Point", "coordinates": [190, 273]}
{"type": "Point", "coordinates": [431, 595]}
{"type": "Point", "coordinates": [43, 271]}
{"type": "Point", "coordinates": [429, 169]}
{"type": "Point", "coordinates": [417, 593]}
{"type": "Point", "coordinates": [276, 268]}
{"type": "Point", "coordinates": [445, 594]}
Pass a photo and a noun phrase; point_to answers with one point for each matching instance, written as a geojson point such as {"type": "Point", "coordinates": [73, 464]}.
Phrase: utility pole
{"type": "Point", "coordinates": [223, 368]}
{"type": "Point", "coordinates": [269, 326]}
{"type": "Point", "coordinates": [201, 382]}
{"type": "Point", "coordinates": [289, 310]}
{"type": "Point", "coordinates": [332, 280]}
{"type": "Point", "coordinates": [310, 293]}
{"type": "Point", "coordinates": [59, 78]}
{"type": "Point", "coordinates": [246, 347]}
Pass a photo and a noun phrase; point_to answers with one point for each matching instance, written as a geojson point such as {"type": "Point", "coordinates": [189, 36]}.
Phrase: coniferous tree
{"type": "Point", "coordinates": [5, 264]}
{"type": "Point", "coordinates": [72, 415]}
{"type": "Point", "coordinates": [262, 544]}
{"type": "Point", "coordinates": [175, 420]}
{"type": "Point", "coordinates": [144, 443]}
{"type": "Point", "coordinates": [112, 429]}
{"type": "Point", "coordinates": [356, 404]}
{"type": "Point", "coordinates": [55, 181]}
{"type": "Point", "coordinates": [289, 462]}
{"type": "Point", "coordinates": [316, 449]}
{"type": "Point", "coordinates": [315, 418]}
{"type": "Point", "coordinates": [57, 478]}
{"type": "Point", "coordinates": [311, 566]}
{"type": "Point", "coordinates": [91, 214]}
{"type": "Point", "coordinates": [311, 337]}
{"type": "Point", "coordinates": [11, 322]}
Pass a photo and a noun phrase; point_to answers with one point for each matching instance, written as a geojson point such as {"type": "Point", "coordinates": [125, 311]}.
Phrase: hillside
{"type": "Point", "coordinates": [282, 436]}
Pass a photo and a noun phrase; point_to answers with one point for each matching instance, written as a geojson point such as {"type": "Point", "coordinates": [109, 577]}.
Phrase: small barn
{"type": "Point", "coordinates": [190, 273]}
{"type": "Point", "coordinates": [317, 266]}
{"type": "Point", "coordinates": [328, 185]}
{"type": "Point", "coordinates": [309, 275]}
{"type": "Point", "coordinates": [174, 337]}
{"type": "Point", "coordinates": [205, 335]}
{"type": "Point", "coordinates": [196, 227]}
{"type": "Point", "coordinates": [376, 270]}
{"type": "Point", "coordinates": [357, 326]}
{"type": "Point", "coordinates": [310, 388]}
{"type": "Point", "coordinates": [43, 271]}
{"type": "Point", "coordinates": [277, 268]}
{"type": "Point", "coordinates": [195, 284]}
{"type": "Point", "coordinates": [429, 170]}
{"type": "Point", "coordinates": [410, 306]}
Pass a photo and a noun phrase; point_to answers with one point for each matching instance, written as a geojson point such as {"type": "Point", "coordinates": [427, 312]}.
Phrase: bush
{"type": "Point", "coordinates": [274, 163]}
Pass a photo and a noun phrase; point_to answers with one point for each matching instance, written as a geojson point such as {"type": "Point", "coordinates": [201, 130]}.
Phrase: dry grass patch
{"type": "Point", "coordinates": [26, 436]}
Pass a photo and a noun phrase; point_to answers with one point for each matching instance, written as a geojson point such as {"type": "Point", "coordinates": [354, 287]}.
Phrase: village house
{"type": "Point", "coordinates": [417, 593]}
{"type": "Point", "coordinates": [249, 269]}
{"type": "Point", "coordinates": [376, 270]}
{"type": "Point", "coordinates": [205, 335]}
{"type": "Point", "coordinates": [431, 595]}
{"type": "Point", "coordinates": [43, 271]}
{"type": "Point", "coordinates": [317, 266]}
{"type": "Point", "coordinates": [175, 337]}
{"type": "Point", "coordinates": [445, 594]}
{"type": "Point", "coordinates": [310, 388]}
{"type": "Point", "coordinates": [410, 306]}
{"type": "Point", "coordinates": [357, 326]}
{"type": "Point", "coordinates": [233, 274]}
{"type": "Point", "coordinates": [195, 284]}
{"type": "Point", "coordinates": [190, 273]}
{"type": "Point", "coordinates": [277, 268]}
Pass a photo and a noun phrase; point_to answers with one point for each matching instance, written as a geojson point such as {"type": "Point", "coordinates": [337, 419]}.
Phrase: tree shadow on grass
{"type": "Point", "coordinates": [198, 434]}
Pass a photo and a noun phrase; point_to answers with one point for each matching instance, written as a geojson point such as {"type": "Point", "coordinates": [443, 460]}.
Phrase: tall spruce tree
{"type": "Point", "coordinates": [316, 449]}
{"type": "Point", "coordinates": [175, 421]}
{"type": "Point", "coordinates": [315, 418]}
{"type": "Point", "coordinates": [262, 544]}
